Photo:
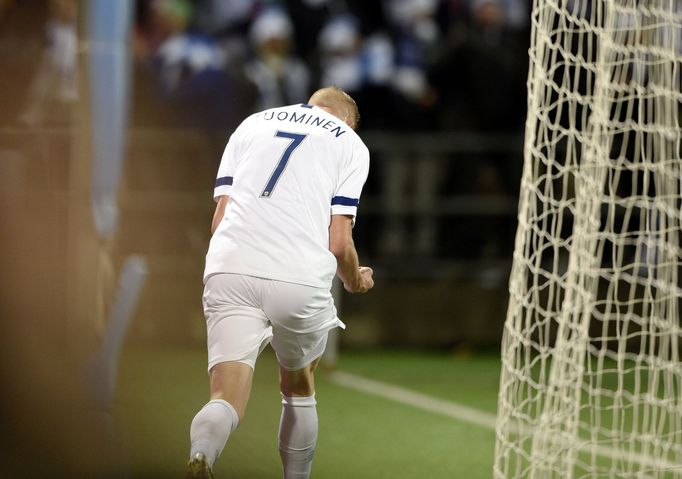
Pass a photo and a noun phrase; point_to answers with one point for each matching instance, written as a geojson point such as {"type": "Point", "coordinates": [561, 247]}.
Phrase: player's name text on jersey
{"type": "Point", "coordinates": [305, 118]}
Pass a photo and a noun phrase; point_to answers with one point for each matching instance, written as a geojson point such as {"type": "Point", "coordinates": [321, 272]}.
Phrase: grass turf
{"type": "Point", "coordinates": [360, 436]}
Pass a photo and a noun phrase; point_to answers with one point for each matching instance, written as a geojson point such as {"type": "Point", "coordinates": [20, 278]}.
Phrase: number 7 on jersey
{"type": "Point", "coordinates": [296, 140]}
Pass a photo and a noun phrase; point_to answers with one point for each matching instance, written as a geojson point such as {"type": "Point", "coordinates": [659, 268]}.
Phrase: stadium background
{"type": "Point", "coordinates": [441, 89]}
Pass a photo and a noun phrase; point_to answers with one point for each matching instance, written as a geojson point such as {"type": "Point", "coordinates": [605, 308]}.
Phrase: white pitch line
{"type": "Point", "coordinates": [471, 415]}
{"type": "Point", "coordinates": [414, 399]}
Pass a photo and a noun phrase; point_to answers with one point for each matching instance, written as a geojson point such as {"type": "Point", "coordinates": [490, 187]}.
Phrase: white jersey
{"type": "Point", "coordinates": [286, 171]}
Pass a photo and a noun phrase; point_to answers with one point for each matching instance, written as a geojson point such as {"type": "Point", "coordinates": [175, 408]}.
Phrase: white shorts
{"type": "Point", "coordinates": [244, 313]}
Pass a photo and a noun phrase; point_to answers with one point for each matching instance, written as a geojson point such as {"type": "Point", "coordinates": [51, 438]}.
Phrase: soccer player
{"type": "Point", "coordinates": [287, 193]}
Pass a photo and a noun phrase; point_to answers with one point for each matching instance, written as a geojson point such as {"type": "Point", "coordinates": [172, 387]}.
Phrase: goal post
{"type": "Point", "coordinates": [591, 378]}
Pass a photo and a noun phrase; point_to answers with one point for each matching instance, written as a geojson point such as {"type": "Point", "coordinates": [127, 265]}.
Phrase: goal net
{"type": "Point", "coordinates": [591, 379]}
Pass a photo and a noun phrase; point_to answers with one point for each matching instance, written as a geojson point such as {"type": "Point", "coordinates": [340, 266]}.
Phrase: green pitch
{"type": "Point", "coordinates": [361, 436]}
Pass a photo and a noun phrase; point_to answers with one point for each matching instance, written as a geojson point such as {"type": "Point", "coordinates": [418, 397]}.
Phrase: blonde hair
{"type": "Point", "coordinates": [338, 100]}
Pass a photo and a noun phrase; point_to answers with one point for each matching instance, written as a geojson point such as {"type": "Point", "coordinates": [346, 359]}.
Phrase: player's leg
{"type": "Point", "coordinates": [231, 382]}
{"type": "Point", "coordinates": [237, 332]}
{"type": "Point", "coordinates": [299, 382]}
{"type": "Point", "coordinates": [301, 317]}
{"type": "Point", "coordinates": [213, 424]}
{"type": "Point", "coordinates": [298, 422]}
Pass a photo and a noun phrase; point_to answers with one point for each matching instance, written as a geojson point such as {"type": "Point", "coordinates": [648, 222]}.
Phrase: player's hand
{"type": "Point", "coordinates": [364, 282]}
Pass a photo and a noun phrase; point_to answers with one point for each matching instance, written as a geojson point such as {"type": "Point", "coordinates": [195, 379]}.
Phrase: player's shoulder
{"type": "Point", "coordinates": [358, 141]}
{"type": "Point", "coordinates": [243, 127]}
{"type": "Point", "coordinates": [349, 135]}
{"type": "Point", "coordinates": [358, 145]}
{"type": "Point", "coordinates": [252, 118]}
{"type": "Point", "coordinates": [353, 142]}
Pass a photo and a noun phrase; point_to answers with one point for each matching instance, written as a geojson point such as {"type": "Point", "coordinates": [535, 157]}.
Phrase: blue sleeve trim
{"type": "Point", "coordinates": [345, 201]}
{"type": "Point", "coordinates": [224, 181]}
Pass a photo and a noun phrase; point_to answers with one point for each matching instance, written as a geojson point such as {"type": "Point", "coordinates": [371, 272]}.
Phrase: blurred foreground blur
{"type": "Point", "coordinates": [440, 86]}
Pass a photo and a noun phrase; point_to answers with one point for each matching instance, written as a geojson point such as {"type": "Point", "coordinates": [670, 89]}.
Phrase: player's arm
{"type": "Point", "coordinates": [225, 179]}
{"type": "Point", "coordinates": [219, 212]}
{"type": "Point", "coordinates": [356, 278]}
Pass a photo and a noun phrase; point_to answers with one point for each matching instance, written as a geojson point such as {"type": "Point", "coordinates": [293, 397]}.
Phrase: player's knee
{"type": "Point", "coordinates": [231, 382]}
{"type": "Point", "coordinates": [297, 383]}
{"type": "Point", "coordinates": [300, 388]}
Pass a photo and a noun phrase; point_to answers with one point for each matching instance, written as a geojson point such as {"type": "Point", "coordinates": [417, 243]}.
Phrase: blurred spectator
{"type": "Point", "coordinates": [191, 69]}
{"type": "Point", "coordinates": [228, 21]}
{"type": "Point", "coordinates": [349, 61]}
{"type": "Point", "coordinates": [56, 78]}
{"type": "Point", "coordinates": [223, 17]}
{"type": "Point", "coordinates": [364, 68]}
{"type": "Point", "coordinates": [411, 64]}
{"type": "Point", "coordinates": [516, 14]}
{"type": "Point", "coordinates": [157, 21]}
{"type": "Point", "coordinates": [340, 54]}
{"type": "Point", "coordinates": [187, 58]}
{"type": "Point", "coordinates": [279, 77]}
{"type": "Point", "coordinates": [415, 35]}
{"type": "Point", "coordinates": [480, 73]}
{"type": "Point", "coordinates": [308, 18]}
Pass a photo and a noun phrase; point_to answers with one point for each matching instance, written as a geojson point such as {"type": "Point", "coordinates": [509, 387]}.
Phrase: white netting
{"type": "Point", "coordinates": [591, 382]}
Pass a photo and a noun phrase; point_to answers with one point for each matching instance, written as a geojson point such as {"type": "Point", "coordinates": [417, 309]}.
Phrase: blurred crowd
{"type": "Point", "coordinates": [410, 64]}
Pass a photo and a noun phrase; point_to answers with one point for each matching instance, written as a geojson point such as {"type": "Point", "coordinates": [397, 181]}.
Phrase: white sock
{"type": "Point", "coordinates": [297, 436]}
{"type": "Point", "coordinates": [210, 429]}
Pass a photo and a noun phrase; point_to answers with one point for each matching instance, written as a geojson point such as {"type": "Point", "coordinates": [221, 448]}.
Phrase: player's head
{"type": "Point", "coordinates": [338, 103]}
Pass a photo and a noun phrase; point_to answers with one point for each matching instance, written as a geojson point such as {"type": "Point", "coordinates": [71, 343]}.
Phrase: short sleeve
{"type": "Point", "coordinates": [225, 178]}
{"type": "Point", "coordinates": [230, 160]}
{"type": "Point", "coordinates": [347, 196]}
